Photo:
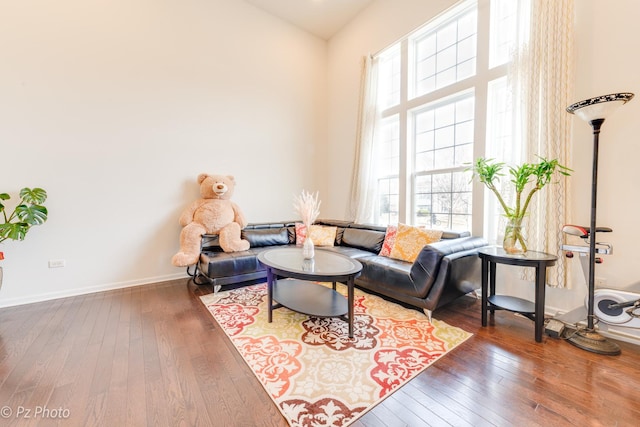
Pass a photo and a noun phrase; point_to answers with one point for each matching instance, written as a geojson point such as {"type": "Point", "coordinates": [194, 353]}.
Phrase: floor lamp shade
{"type": "Point", "coordinates": [599, 107]}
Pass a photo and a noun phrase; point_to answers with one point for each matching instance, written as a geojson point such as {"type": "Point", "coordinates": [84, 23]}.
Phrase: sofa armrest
{"type": "Point", "coordinates": [434, 260]}
{"type": "Point", "coordinates": [459, 270]}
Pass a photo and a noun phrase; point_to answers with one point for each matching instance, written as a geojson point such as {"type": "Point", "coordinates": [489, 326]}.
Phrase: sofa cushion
{"type": "Point", "coordinates": [266, 236]}
{"type": "Point", "coordinates": [223, 264]}
{"type": "Point", "coordinates": [410, 241]}
{"type": "Point", "coordinates": [349, 251]}
{"type": "Point", "coordinates": [369, 240]}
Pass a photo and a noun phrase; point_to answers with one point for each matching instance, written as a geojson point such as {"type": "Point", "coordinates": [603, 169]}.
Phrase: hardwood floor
{"type": "Point", "coordinates": [152, 355]}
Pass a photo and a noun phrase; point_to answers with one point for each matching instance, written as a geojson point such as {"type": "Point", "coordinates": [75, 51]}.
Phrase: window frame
{"type": "Point", "coordinates": [478, 83]}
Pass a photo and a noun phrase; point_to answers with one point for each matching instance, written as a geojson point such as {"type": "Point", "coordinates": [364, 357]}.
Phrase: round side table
{"type": "Point", "coordinates": [490, 301]}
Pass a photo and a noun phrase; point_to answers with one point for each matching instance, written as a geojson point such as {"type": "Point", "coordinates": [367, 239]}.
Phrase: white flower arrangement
{"type": "Point", "coordinates": [307, 206]}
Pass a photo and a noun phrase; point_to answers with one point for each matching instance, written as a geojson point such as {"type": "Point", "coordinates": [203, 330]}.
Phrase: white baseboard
{"type": "Point", "coordinates": [11, 302]}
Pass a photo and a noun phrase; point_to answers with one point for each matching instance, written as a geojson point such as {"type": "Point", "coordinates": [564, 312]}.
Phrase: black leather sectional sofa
{"type": "Point", "coordinates": [443, 270]}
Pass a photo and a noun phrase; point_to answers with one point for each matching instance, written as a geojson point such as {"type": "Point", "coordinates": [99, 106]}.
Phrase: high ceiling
{"type": "Point", "coordinates": [320, 17]}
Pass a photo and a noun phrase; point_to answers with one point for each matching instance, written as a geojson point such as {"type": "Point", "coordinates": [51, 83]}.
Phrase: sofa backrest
{"type": "Point", "coordinates": [257, 234]}
{"type": "Point", "coordinates": [266, 236]}
{"type": "Point", "coordinates": [362, 236]}
{"type": "Point", "coordinates": [369, 240]}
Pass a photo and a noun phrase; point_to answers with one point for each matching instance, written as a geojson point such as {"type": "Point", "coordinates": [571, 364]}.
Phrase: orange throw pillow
{"type": "Point", "coordinates": [410, 241]}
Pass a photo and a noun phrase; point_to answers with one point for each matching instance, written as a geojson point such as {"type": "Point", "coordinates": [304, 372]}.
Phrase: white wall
{"type": "Point", "coordinates": [606, 63]}
{"type": "Point", "coordinates": [115, 106]}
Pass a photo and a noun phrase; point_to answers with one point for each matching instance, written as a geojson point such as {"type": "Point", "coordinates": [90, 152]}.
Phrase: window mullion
{"type": "Point", "coordinates": [405, 153]}
{"type": "Point", "coordinates": [480, 125]}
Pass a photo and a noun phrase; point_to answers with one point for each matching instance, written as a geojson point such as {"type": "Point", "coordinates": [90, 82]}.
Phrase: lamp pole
{"type": "Point", "coordinates": [596, 124]}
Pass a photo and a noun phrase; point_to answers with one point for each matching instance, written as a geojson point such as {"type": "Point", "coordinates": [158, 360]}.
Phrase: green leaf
{"type": "Point", "coordinates": [486, 170]}
{"type": "Point", "coordinates": [16, 231]}
{"type": "Point", "coordinates": [32, 215]}
{"type": "Point", "coordinates": [37, 196]}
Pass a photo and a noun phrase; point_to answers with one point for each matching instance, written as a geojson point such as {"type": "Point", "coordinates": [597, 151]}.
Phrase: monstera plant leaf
{"type": "Point", "coordinates": [13, 231]}
{"type": "Point", "coordinates": [32, 214]}
{"type": "Point", "coordinates": [37, 196]}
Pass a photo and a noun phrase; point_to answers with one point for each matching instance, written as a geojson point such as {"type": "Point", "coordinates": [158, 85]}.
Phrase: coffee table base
{"type": "Point", "coordinates": [309, 298]}
{"type": "Point", "coordinates": [300, 294]}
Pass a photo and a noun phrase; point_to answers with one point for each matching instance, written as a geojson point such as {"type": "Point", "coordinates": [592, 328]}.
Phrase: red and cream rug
{"type": "Point", "coordinates": [314, 373]}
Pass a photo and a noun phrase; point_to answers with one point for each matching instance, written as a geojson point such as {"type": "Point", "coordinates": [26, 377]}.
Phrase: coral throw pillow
{"type": "Point", "coordinates": [321, 235]}
{"type": "Point", "coordinates": [389, 240]}
{"type": "Point", "coordinates": [301, 233]}
{"type": "Point", "coordinates": [410, 241]}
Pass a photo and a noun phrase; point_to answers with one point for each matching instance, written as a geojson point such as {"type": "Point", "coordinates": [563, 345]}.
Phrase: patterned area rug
{"type": "Point", "coordinates": [314, 373]}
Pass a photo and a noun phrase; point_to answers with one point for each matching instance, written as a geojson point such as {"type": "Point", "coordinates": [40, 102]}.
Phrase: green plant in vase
{"type": "Point", "coordinates": [488, 172]}
{"type": "Point", "coordinates": [29, 212]}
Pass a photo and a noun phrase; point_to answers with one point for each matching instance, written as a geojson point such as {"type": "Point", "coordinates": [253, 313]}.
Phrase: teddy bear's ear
{"type": "Point", "coordinates": [231, 178]}
{"type": "Point", "coordinates": [202, 177]}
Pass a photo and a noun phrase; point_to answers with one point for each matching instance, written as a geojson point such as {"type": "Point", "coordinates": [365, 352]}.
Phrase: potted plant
{"type": "Point", "coordinates": [29, 212]}
{"type": "Point", "coordinates": [488, 172]}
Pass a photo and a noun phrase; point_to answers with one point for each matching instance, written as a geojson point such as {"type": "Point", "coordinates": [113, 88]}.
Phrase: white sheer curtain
{"type": "Point", "coordinates": [541, 78]}
{"type": "Point", "coordinates": [363, 185]}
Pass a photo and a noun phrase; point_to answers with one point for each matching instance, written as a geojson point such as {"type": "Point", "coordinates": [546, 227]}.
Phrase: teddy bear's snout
{"type": "Point", "coordinates": [219, 188]}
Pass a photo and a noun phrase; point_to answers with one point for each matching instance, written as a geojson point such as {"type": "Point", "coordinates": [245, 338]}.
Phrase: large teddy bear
{"type": "Point", "coordinates": [214, 213]}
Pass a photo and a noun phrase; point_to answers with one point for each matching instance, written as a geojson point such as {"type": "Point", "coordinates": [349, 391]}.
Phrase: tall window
{"type": "Point", "coordinates": [441, 89]}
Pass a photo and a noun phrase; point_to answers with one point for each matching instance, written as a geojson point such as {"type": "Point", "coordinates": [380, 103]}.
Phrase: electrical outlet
{"type": "Point", "coordinates": [600, 282]}
{"type": "Point", "coordinates": [56, 263]}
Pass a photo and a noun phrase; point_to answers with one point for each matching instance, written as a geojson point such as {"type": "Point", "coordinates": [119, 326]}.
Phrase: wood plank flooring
{"type": "Point", "coordinates": [152, 355]}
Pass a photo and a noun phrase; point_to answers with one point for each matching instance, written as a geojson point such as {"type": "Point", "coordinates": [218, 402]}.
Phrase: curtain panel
{"type": "Point", "coordinates": [363, 185]}
{"type": "Point", "coordinates": [541, 77]}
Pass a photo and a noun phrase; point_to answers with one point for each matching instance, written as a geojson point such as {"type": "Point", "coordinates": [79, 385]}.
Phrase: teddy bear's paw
{"type": "Point", "coordinates": [183, 259]}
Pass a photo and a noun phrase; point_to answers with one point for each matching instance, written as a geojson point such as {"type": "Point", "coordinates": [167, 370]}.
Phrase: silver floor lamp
{"type": "Point", "coordinates": [594, 111]}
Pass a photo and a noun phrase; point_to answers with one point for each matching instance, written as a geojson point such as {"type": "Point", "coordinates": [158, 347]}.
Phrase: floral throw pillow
{"type": "Point", "coordinates": [410, 241]}
{"type": "Point", "coordinates": [301, 233]}
{"type": "Point", "coordinates": [389, 240]}
{"type": "Point", "coordinates": [321, 235]}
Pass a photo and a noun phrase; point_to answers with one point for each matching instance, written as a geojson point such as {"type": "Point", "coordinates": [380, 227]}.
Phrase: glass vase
{"type": "Point", "coordinates": [308, 248]}
{"type": "Point", "coordinates": [514, 242]}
